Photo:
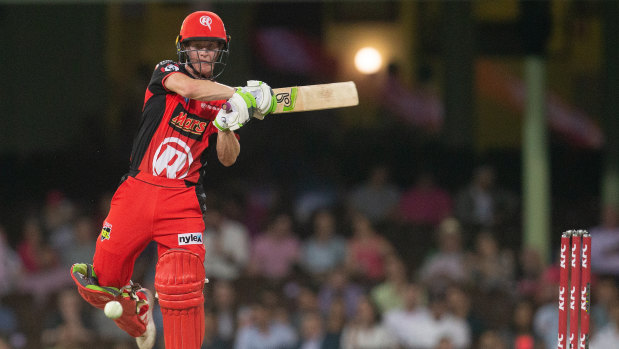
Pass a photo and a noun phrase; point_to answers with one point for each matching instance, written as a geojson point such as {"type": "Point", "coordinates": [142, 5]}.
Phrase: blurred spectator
{"type": "Point", "coordinates": [607, 337]}
{"type": "Point", "coordinates": [69, 326]}
{"type": "Point", "coordinates": [227, 245]}
{"type": "Point", "coordinates": [425, 203]}
{"type": "Point", "coordinates": [224, 311]}
{"type": "Point", "coordinates": [400, 321]}
{"type": "Point", "coordinates": [336, 320]}
{"type": "Point", "coordinates": [460, 304]}
{"type": "Point", "coordinates": [377, 198]}
{"type": "Point", "coordinates": [58, 214]}
{"type": "Point", "coordinates": [426, 328]}
{"type": "Point", "coordinates": [35, 254]}
{"type": "Point", "coordinates": [546, 318]}
{"type": "Point", "coordinates": [43, 273]}
{"type": "Point", "coordinates": [305, 301]}
{"type": "Point", "coordinates": [531, 270]}
{"type": "Point", "coordinates": [211, 337]}
{"type": "Point", "coordinates": [491, 268]}
{"type": "Point", "coordinates": [84, 239]}
{"type": "Point", "coordinates": [520, 333]}
{"type": "Point", "coordinates": [604, 293]}
{"type": "Point", "coordinates": [265, 333]}
{"type": "Point", "coordinates": [276, 251]}
{"type": "Point", "coordinates": [483, 204]}
{"type": "Point", "coordinates": [390, 293]}
{"type": "Point", "coordinates": [605, 243]}
{"type": "Point", "coordinates": [339, 287]}
{"type": "Point", "coordinates": [366, 330]}
{"type": "Point", "coordinates": [367, 250]}
{"type": "Point", "coordinates": [325, 249]}
{"type": "Point", "coordinates": [312, 333]}
{"type": "Point", "coordinates": [10, 265]}
{"type": "Point", "coordinates": [490, 339]}
{"type": "Point", "coordinates": [447, 265]}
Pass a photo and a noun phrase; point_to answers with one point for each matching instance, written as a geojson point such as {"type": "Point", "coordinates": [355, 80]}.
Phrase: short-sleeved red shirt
{"type": "Point", "coordinates": [174, 131]}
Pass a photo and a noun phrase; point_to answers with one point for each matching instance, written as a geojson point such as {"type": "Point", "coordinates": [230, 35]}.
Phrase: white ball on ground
{"type": "Point", "coordinates": [113, 309]}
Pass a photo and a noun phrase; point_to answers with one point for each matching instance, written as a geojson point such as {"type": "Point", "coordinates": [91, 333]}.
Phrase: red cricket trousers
{"type": "Point", "coordinates": [146, 208]}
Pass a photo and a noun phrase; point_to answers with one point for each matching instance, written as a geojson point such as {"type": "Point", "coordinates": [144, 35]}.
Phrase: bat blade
{"type": "Point", "coordinates": [315, 97]}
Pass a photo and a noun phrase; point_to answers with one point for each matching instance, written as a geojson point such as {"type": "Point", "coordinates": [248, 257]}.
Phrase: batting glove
{"type": "Point", "coordinates": [235, 112]}
{"type": "Point", "coordinates": [264, 97]}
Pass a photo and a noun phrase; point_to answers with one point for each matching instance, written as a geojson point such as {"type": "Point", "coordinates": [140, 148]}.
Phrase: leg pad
{"type": "Point", "coordinates": [179, 282]}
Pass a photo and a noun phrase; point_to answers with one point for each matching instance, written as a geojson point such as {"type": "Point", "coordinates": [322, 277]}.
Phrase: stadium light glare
{"type": "Point", "coordinates": [368, 60]}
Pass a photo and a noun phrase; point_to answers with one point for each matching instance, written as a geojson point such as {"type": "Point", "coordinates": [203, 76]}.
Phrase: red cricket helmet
{"type": "Point", "coordinates": [204, 25]}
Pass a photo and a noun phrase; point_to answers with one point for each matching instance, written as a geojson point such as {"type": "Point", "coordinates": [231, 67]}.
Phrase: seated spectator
{"type": "Point", "coordinates": [43, 273]}
{"type": "Point", "coordinates": [491, 339]}
{"type": "Point", "coordinates": [305, 300]}
{"type": "Point", "coordinates": [366, 251]}
{"type": "Point", "coordinates": [425, 203]}
{"type": "Point", "coordinates": [325, 249]}
{"type": "Point", "coordinates": [339, 288]}
{"type": "Point", "coordinates": [483, 204]}
{"type": "Point", "coordinates": [460, 304]}
{"type": "Point", "coordinates": [366, 330]}
{"type": "Point", "coordinates": [211, 337]}
{"type": "Point", "coordinates": [263, 332]}
{"type": "Point", "coordinates": [69, 326]}
{"type": "Point", "coordinates": [531, 270]}
{"type": "Point", "coordinates": [605, 243]}
{"type": "Point", "coordinates": [312, 332]}
{"type": "Point", "coordinates": [84, 239]}
{"type": "Point", "coordinates": [390, 293]}
{"type": "Point", "coordinates": [227, 245]}
{"type": "Point", "coordinates": [607, 337]}
{"type": "Point", "coordinates": [426, 328]}
{"type": "Point", "coordinates": [447, 265]}
{"type": "Point", "coordinates": [603, 294]}
{"type": "Point", "coordinates": [276, 251]}
{"type": "Point", "coordinates": [546, 318]}
{"type": "Point", "coordinates": [377, 199]}
{"type": "Point", "coordinates": [10, 265]}
{"type": "Point", "coordinates": [224, 309]}
{"type": "Point", "coordinates": [491, 268]}
{"type": "Point", "coordinates": [400, 320]}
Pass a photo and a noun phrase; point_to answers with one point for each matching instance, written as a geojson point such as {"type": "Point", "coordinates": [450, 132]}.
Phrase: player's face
{"type": "Point", "coordinates": [202, 54]}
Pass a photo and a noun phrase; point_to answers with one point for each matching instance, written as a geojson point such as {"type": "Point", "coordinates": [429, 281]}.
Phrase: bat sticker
{"type": "Point", "coordinates": [288, 99]}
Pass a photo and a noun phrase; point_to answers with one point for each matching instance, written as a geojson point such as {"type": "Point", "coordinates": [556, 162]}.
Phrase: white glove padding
{"type": "Point", "coordinates": [233, 115]}
{"type": "Point", "coordinates": [263, 94]}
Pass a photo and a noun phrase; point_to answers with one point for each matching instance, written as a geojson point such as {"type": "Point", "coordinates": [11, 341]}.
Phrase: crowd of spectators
{"type": "Point", "coordinates": [376, 267]}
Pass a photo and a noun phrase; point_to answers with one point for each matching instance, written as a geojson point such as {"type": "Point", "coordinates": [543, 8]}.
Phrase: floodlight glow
{"type": "Point", "coordinates": [368, 60]}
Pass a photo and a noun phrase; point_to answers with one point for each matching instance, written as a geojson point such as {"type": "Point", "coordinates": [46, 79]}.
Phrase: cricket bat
{"type": "Point", "coordinates": [315, 97]}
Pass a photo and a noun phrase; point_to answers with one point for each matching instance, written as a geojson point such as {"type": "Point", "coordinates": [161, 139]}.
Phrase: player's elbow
{"type": "Point", "coordinates": [227, 159]}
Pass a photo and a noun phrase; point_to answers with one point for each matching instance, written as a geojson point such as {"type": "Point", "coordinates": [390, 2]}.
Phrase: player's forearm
{"type": "Point", "coordinates": [228, 148]}
{"type": "Point", "coordinates": [203, 90]}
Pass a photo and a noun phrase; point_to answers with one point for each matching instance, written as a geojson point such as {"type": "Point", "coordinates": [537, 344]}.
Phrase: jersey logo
{"type": "Point", "coordinates": [172, 159]}
{"type": "Point", "coordinates": [187, 124]}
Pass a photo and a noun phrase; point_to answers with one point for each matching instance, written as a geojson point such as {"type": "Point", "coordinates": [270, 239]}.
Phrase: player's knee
{"type": "Point", "coordinates": [179, 279]}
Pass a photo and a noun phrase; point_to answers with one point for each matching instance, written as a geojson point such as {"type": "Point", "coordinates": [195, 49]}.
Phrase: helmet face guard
{"type": "Point", "coordinates": [203, 26]}
{"type": "Point", "coordinates": [218, 64]}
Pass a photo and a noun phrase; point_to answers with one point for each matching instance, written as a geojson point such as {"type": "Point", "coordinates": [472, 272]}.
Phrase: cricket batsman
{"type": "Point", "coordinates": [161, 198]}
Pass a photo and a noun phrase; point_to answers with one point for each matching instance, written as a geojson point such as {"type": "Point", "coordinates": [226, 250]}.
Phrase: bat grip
{"type": "Point", "coordinates": [227, 107]}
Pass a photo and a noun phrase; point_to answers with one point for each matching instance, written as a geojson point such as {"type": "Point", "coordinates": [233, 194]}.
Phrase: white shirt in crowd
{"type": "Point", "coordinates": [419, 329]}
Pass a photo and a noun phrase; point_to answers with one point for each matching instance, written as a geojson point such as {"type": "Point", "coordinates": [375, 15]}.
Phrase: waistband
{"type": "Point", "coordinates": [161, 181]}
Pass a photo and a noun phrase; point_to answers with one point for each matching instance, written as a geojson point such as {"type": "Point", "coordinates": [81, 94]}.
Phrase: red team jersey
{"type": "Point", "coordinates": [174, 131]}
{"type": "Point", "coordinates": [160, 199]}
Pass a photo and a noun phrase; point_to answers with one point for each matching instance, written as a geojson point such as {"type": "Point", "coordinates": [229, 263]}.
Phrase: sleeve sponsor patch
{"type": "Point", "coordinates": [167, 66]}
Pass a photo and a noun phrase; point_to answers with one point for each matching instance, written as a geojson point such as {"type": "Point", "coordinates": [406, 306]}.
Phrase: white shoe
{"type": "Point", "coordinates": [147, 340]}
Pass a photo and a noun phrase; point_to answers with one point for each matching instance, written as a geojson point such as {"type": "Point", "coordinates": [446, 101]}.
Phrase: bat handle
{"type": "Point", "coordinates": [227, 107]}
